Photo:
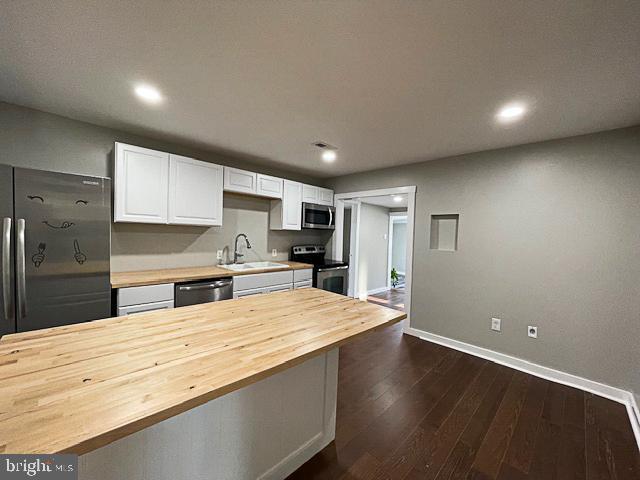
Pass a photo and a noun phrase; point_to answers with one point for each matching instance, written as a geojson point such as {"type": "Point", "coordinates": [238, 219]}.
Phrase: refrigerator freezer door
{"type": "Point", "coordinates": [66, 248]}
{"type": "Point", "coordinates": [7, 316]}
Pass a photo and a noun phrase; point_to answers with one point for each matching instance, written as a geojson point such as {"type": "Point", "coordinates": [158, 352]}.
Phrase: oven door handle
{"type": "Point", "coordinates": [333, 268]}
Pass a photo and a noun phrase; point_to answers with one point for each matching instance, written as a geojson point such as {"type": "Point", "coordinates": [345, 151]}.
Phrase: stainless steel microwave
{"type": "Point", "coordinates": [318, 216]}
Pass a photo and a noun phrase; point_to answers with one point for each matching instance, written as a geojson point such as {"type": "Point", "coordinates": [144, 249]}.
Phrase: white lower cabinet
{"type": "Point", "coordinates": [244, 285]}
{"type": "Point", "coordinates": [303, 278]}
{"type": "Point", "coordinates": [145, 307]}
{"type": "Point", "coordinates": [145, 299]}
{"type": "Point", "coordinates": [250, 291]}
{"type": "Point", "coordinates": [280, 288]}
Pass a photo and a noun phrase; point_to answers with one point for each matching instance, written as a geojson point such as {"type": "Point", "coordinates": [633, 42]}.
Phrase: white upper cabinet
{"type": "Point", "coordinates": [244, 181]}
{"type": "Point", "coordinates": [241, 181]}
{"type": "Point", "coordinates": [162, 188]}
{"type": "Point", "coordinates": [195, 192]}
{"type": "Point", "coordinates": [286, 214]}
{"type": "Point", "coordinates": [141, 185]}
{"type": "Point", "coordinates": [319, 195]}
{"type": "Point", "coordinates": [325, 196]}
{"type": "Point", "coordinates": [292, 205]}
{"type": "Point", "coordinates": [158, 187]}
{"type": "Point", "coordinates": [309, 194]}
{"type": "Point", "coordinates": [268, 186]}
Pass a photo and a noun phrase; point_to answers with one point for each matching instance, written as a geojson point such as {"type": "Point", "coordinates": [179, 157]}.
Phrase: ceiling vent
{"type": "Point", "coordinates": [321, 144]}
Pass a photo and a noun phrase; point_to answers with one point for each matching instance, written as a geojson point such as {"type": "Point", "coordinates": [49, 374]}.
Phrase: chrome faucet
{"type": "Point", "coordinates": [236, 255]}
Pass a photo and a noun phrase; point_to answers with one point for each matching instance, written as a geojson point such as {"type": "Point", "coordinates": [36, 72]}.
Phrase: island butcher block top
{"type": "Point", "coordinates": [75, 388]}
{"type": "Point", "coordinates": [187, 274]}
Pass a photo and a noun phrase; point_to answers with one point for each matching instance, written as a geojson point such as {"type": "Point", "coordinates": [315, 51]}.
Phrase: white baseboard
{"type": "Point", "coordinates": [378, 290]}
{"type": "Point", "coordinates": [296, 459]}
{"type": "Point", "coordinates": [634, 416]}
{"type": "Point", "coordinates": [612, 393]}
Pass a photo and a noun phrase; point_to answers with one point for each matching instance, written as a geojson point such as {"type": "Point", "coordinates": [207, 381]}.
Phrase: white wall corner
{"type": "Point", "coordinates": [624, 397]}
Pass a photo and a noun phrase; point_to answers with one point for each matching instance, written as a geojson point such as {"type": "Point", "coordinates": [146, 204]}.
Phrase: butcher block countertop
{"type": "Point", "coordinates": [75, 388]}
{"type": "Point", "coordinates": [172, 275]}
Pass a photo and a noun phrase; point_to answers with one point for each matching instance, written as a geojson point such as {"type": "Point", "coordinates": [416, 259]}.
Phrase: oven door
{"type": "Point", "coordinates": [334, 279]}
{"type": "Point", "coordinates": [318, 216]}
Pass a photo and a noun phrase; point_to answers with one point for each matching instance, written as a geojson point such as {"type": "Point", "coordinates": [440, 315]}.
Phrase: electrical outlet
{"type": "Point", "coordinates": [274, 252]}
{"type": "Point", "coordinates": [532, 331]}
{"type": "Point", "coordinates": [496, 324]}
{"type": "Point", "coordinates": [219, 254]}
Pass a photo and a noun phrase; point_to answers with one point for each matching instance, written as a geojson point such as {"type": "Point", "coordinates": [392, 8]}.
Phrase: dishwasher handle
{"type": "Point", "coordinates": [205, 286]}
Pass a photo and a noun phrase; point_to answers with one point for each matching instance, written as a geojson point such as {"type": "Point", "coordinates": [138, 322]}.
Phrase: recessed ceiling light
{"type": "Point", "coordinates": [511, 112]}
{"type": "Point", "coordinates": [148, 93]}
{"type": "Point", "coordinates": [329, 155]}
{"type": "Point", "coordinates": [397, 199]}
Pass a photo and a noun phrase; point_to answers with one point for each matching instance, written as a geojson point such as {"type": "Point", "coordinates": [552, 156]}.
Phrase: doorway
{"type": "Point", "coordinates": [394, 296]}
{"type": "Point", "coordinates": [364, 236]}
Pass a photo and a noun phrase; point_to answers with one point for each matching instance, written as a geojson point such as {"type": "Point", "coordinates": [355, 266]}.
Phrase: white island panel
{"type": "Point", "coordinates": [263, 431]}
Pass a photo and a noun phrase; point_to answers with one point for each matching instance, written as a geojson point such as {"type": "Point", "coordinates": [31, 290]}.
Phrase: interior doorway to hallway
{"type": "Point", "coordinates": [366, 224]}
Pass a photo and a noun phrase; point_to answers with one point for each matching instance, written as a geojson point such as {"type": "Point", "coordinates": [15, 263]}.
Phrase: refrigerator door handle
{"type": "Point", "coordinates": [7, 298]}
{"type": "Point", "coordinates": [21, 282]}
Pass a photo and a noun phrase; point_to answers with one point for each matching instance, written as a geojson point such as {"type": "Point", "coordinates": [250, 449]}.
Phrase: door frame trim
{"type": "Point", "coordinates": [336, 247]}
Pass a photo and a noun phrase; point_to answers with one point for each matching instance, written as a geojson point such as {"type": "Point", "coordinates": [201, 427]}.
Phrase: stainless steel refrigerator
{"type": "Point", "coordinates": [55, 249]}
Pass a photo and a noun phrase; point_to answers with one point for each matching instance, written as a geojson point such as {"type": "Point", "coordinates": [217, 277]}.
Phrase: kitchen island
{"type": "Point", "coordinates": [236, 389]}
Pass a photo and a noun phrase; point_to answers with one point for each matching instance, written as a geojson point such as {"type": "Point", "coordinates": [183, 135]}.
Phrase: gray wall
{"type": "Point", "coordinates": [549, 235]}
{"type": "Point", "coordinates": [373, 248]}
{"type": "Point", "coordinates": [34, 139]}
{"type": "Point", "coordinates": [399, 247]}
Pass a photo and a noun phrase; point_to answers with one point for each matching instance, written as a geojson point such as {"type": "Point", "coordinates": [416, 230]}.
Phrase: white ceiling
{"type": "Point", "coordinates": [386, 201]}
{"type": "Point", "coordinates": [387, 82]}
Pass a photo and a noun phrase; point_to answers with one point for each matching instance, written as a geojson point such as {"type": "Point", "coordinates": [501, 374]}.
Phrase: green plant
{"type": "Point", "coordinates": [394, 277]}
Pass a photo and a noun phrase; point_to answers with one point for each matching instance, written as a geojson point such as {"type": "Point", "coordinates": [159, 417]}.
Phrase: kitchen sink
{"type": "Point", "coordinates": [243, 267]}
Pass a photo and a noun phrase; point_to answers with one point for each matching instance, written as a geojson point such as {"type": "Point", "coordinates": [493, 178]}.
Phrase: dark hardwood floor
{"type": "Point", "coordinates": [410, 409]}
{"type": "Point", "coordinates": [393, 298]}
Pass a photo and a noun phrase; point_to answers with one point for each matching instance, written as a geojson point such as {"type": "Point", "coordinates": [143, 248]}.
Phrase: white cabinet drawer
{"type": "Point", "coordinates": [280, 288]}
{"type": "Point", "coordinates": [146, 307]}
{"type": "Point", "coordinates": [260, 280]}
{"type": "Point", "coordinates": [304, 284]}
{"type": "Point", "coordinates": [242, 181]}
{"type": "Point", "coordinates": [251, 291]}
{"type": "Point", "coordinates": [269, 186]}
{"type": "Point", "coordinates": [145, 294]}
{"type": "Point", "coordinates": [300, 275]}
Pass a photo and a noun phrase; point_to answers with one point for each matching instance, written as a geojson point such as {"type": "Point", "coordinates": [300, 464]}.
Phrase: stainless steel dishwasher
{"type": "Point", "coordinates": [192, 293]}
